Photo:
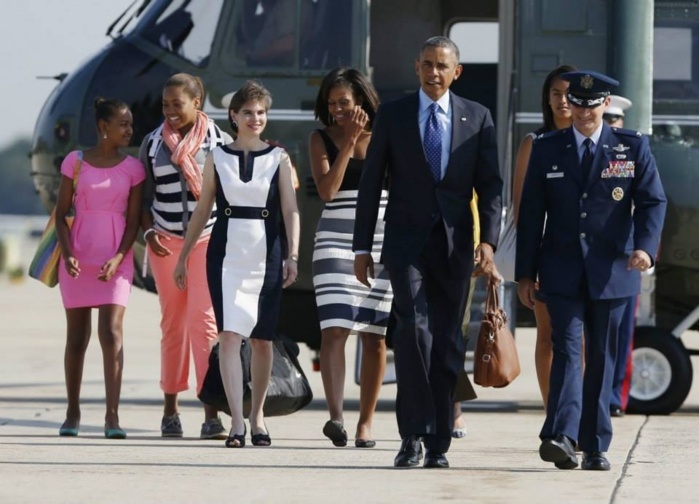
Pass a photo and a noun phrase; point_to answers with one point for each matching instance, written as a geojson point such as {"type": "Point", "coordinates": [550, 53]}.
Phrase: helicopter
{"type": "Point", "coordinates": [507, 47]}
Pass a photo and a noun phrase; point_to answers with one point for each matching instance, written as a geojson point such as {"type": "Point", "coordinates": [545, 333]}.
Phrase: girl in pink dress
{"type": "Point", "coordinates": [97, 268]}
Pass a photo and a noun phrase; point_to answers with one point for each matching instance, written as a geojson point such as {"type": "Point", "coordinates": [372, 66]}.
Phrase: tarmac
{"type": "Point", "coordinates": [653, 458]}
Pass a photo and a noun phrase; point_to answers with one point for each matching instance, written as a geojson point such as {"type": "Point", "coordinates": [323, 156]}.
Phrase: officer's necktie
{"type": "Point", "coordinates": [586, 164]}
{"type": "Point", "coordinates": [433, 143]}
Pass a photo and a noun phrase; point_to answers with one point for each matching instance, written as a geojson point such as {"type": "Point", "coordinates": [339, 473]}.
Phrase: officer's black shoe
{"type": "Point", "coordinates": [616, 411]}
{"type": "Point", "coordinates": [595, 461]}
{"type": "Point", "coordinates": [560, 451]}
{"type": "Point", "coordinates": [435, 460]}
{"type": "Point", "coordinates": [410, 452]}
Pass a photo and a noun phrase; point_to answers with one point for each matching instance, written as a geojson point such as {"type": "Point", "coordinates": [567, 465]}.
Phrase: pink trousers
{"type": "Point", "coordinates": [188, 323]}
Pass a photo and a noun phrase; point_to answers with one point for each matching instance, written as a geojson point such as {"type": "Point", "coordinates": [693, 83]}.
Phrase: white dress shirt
{"type": "Point", "coordinates": [580, 138]}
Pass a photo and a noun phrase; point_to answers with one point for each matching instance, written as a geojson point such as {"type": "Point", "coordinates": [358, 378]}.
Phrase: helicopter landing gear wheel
{"type": "Point", "coordinates": [662, 372]}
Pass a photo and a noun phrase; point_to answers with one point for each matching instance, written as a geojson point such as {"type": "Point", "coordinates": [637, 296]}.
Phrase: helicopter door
{"type": "Point", "coordinates": [478, 43]}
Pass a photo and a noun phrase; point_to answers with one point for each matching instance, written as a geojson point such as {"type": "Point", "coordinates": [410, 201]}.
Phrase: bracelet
{"type": "Point", "coordinates": [147, 231]}
{"type": "Point", "coordinates": [294, 258]}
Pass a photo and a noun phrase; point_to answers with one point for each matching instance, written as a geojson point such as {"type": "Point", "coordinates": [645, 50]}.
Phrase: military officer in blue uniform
{"type": "Point", "coordinates": [591, 215]}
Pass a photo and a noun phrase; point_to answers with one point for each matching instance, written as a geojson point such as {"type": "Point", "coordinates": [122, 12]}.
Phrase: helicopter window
{"type": "Point", "coordinates": [187, 29]}
{"type": "Point", "coordinates": [306, 34]}
{"type": "Point", "coordinates": [675, 81]}
{"type": "Point", "coordinates": [329, 41]}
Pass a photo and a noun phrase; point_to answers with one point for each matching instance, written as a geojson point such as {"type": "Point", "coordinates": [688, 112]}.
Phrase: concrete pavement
{"type": "Point", "coordinates": [653, 458]}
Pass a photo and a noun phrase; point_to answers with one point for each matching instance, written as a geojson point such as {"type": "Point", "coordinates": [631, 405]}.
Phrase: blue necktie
{"type": "Point", "coordinates": [433, 143]}
{"type": "Point", "coordinates": [586, 163]}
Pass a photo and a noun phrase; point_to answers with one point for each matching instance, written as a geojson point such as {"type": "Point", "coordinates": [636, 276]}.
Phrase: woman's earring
{"type": "Point", "coordinates": [104, 136]}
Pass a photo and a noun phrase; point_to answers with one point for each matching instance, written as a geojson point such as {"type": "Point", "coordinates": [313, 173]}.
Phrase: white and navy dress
{"type": "Point", "coordinates": [343, 301]}
{"type": "Point", "coordinates": [244, 258]}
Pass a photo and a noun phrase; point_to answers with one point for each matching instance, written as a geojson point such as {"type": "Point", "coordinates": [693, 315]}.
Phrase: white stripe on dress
{"type": "Point", "coordinates": [338, 292]}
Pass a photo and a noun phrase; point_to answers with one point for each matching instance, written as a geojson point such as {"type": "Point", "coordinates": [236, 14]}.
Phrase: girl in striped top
{"type": "Point", "coordinates": [173, 155]}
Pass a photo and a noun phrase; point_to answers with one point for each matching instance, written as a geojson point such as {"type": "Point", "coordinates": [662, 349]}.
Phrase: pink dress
{"type": "Point", "coordinates": [101, 202]}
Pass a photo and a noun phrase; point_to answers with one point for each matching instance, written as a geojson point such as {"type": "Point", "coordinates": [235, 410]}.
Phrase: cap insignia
{"type": "Point", "coordinates": [587, 81]}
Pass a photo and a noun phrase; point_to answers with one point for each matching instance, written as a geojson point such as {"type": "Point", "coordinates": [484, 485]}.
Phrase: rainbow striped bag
{"type": "Point", "coordinates": [44, 265]}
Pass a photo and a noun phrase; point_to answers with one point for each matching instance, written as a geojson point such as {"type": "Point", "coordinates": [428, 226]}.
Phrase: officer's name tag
{"type": "Point", "coordinates": [555, 175]}
{"type": "Point", "coordinates": [619, 169]}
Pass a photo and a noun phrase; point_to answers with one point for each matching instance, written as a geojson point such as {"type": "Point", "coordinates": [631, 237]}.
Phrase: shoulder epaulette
{"type": "Point", "coordinates": [549, 134]}
{"type": "Point", "coordinates": [627, 132]}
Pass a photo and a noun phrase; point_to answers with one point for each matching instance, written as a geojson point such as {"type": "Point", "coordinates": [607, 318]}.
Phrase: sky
{"type": "Point", "coordinates": [45, 38]}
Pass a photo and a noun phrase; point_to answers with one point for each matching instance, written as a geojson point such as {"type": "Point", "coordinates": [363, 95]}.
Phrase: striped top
{"type": "Point", "coordinates": [166, 193]}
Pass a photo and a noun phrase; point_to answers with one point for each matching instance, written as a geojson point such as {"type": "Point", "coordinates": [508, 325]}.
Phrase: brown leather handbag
{"type": "Point", "coordinates": [496, 363]}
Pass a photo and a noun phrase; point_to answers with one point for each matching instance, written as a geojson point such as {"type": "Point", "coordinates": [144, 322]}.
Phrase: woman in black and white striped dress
{"type": "Point", "coordinates": [346, 105]}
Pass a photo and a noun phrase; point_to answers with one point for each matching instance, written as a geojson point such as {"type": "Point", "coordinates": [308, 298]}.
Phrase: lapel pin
{"type": "Point", "coordinates": [463, 119]}
{"type": "Point", "coordinates": [554, 167]}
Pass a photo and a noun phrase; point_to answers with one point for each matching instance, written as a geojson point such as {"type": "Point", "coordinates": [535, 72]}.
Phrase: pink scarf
{"type": "Point", "coordinates": [184, 149]}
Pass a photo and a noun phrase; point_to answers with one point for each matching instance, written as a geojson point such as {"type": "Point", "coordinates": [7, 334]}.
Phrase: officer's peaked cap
{"type": "Point", "coordinates": [587, 88]}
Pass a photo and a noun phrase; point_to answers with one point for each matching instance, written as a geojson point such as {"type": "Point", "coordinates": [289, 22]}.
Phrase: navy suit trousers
{"type": "Point", "coordinates": [428, 302]}
{"type": "Point", "coordinates": [578, 405]}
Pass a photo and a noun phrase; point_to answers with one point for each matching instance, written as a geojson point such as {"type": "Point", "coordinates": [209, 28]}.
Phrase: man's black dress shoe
{"type": "Point", "coordinates": [410, 452]}
{"type": "Point", "coordinates": [595, 461]}
{"type": "Point", "coordinates": [560, 451]}
{"type": "Point", "coordinates": [435, 460]}
{"type": "Point", "coordinates": [615, 411]}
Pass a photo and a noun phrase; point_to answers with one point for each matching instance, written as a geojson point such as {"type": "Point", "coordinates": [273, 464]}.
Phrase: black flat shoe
{"type": "Point", "coordinates": [236, 440]}
{"type": "Point", "coordinates": [595, 461]}
{"type": "Point", "coordinates": [364, 443]}
{"type": "Point", "coordinates": [336, 432]}
{"type": "Point", "coordinates": [560, 451]}
{"type": "Point", "coordinates": [261, 439]}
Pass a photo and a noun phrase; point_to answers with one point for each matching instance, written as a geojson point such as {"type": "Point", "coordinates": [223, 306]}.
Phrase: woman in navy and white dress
{"type": "Point", "coordinates": [247, 266]}
{"type": "Point", "coordinates": [346, 105]}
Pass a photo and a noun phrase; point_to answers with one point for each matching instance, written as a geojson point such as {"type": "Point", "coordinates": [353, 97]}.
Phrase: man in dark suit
{"type": "Point", "coordinates": [435, 148]}
{"type": "Point", "coordinates": [598, 191]}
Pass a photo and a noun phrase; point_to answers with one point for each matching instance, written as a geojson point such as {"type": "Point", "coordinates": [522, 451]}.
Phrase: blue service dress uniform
{"type": "Point", "coordinates": [576, 236]}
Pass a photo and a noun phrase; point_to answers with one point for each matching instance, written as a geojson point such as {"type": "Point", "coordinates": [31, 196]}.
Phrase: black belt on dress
{"type": "Point", "coordinates": [242, 212]}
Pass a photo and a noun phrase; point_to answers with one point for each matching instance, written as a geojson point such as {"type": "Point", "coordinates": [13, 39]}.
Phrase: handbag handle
{"type": "Point", "coordinates": [492, 300]}
{"type": "Point", "coordinates": [76, 170]}
{"type": "Point", "coordinates": [76, 174]}
{"type": "Point", "coordinates": [492, 305]}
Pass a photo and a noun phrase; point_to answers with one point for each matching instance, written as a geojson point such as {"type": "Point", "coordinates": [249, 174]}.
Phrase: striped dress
{"type": "Point", "coordinates": [343, 301]}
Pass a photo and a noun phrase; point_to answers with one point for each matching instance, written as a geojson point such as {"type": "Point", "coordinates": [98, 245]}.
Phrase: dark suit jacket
{"type": "Point", "coordinates": [591, 229]}
{"type": "Point", "coordinates": [415, 201]}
